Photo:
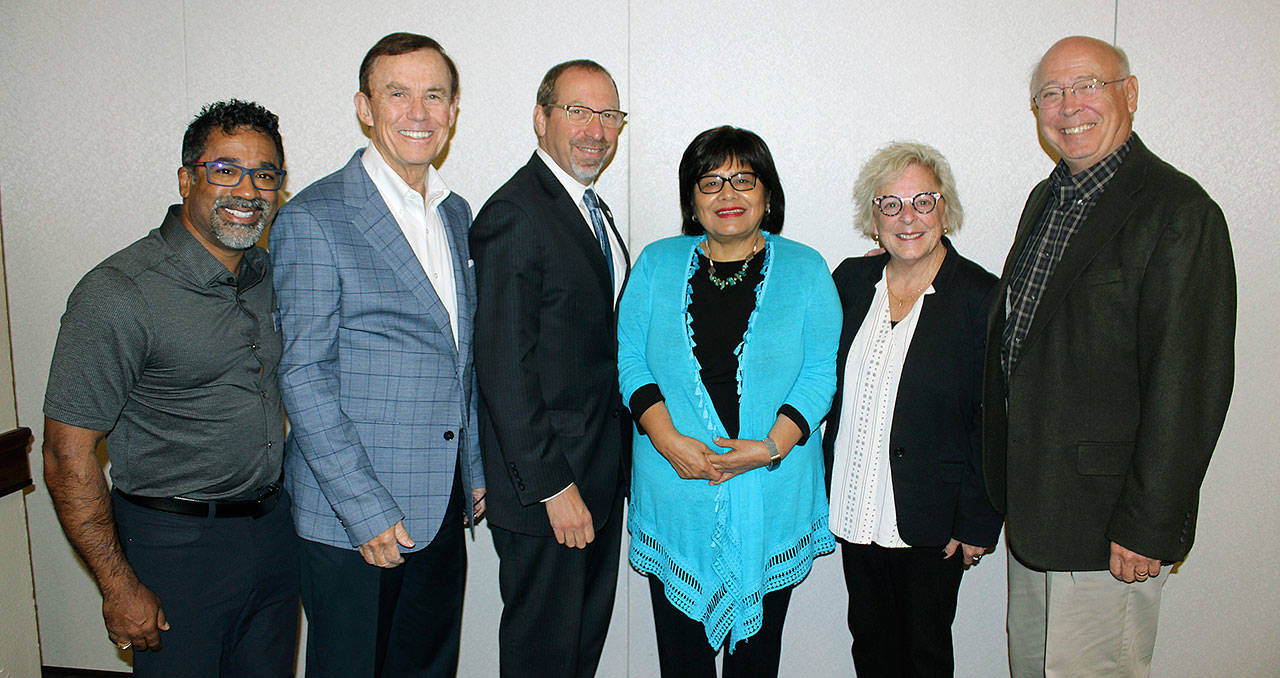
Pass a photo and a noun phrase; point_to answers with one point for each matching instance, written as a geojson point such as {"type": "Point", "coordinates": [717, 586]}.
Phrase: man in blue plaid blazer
{"type": "Point", "coordinates": [376, 295]}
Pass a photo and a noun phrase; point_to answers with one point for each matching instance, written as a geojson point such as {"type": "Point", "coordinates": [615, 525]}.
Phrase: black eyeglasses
{"type": "Point", "coordinates": [228, 175]}
{"type": "Point", "coordinates": [714, 183]}
{"type": "Point", "coordinates": [891, 205]}
{"type": "Point", "coordinates": [581, 115]}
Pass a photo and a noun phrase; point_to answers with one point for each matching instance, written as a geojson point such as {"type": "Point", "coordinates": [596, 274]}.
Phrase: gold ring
{"type": "Point", "coordinates": [124, 646]}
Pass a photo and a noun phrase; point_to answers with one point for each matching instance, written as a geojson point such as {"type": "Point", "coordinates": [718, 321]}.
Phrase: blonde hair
{"type": "Point", "coordinates": [888, 164]}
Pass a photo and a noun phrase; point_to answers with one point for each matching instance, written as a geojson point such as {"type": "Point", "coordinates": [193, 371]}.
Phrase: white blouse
{"type": "Point", "coordinates": [862, 508]}
{"type": "Point", "coordinates": [418, 217]}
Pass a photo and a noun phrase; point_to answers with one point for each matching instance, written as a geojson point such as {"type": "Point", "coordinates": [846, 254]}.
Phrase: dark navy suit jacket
{"type": "Point", "coordinates": [546, 355]}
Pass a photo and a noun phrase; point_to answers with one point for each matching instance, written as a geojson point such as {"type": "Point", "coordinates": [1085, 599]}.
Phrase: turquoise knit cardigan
{"type": "Point", "coordinates": [718, 549]}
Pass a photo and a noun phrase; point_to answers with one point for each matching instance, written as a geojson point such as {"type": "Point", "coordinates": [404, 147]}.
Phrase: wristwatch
{"type": "Point", "coordinates": [775, 457]}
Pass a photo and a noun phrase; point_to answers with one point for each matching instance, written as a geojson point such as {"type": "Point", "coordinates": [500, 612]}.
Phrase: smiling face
{"type": "Point", "coordinates": [229, 219]}
{"type": "Point", "coordinates": [909, 236]}
{"type": "Point", "coordinates": [731, 216]}
{"type": "Point", "coordinates": [1084, 131]}
{"type": "Point", "coordinates": [409, 110]}
{"type": "Point", "coordinates": [580, 150]}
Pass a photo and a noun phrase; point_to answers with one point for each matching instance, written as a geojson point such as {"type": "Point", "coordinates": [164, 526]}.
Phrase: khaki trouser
{"type": "Point", "coordinates": [1080, 624]}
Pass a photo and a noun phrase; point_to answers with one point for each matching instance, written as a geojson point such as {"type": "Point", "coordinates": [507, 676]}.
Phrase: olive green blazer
{"type": "Point", "coordinates": [1124, 377]}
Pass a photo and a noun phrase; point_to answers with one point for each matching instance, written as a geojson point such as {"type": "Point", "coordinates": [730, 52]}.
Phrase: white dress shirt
{"type": "Point", "coordinates": [576, 190]}
{"type": "Point", "coordinates": [420, 221]}
{"type": "Point", "coordinates": [862, 507]}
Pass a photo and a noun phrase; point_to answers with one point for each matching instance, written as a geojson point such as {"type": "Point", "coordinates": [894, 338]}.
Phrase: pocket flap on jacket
{"type": "Point", "coordinates": [1102, 277]}
{"type": "Point", "coordinates": [1103, 459]}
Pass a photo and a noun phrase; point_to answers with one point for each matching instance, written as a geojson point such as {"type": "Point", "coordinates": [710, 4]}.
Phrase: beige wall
{"type": "Point", "coordinates": [19, 646]}
{"type": "Point", "coordinates": [825, 83]}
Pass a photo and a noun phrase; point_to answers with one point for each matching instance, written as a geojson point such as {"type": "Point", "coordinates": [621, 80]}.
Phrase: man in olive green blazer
{"type": "Point", "coordinates": [1108, 372]}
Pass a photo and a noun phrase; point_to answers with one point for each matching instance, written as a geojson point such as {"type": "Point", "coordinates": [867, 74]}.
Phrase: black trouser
{"type": "Point", "coordinates": [683, 649]}
{"type": "Point", "coordinates": [556, 601]}
{"type": "Point", "coordinates": [228, 588]}
{"type": "Point", "coordinates": [364, 620]}
{"type": "Point", "coordinates": [901, 605]}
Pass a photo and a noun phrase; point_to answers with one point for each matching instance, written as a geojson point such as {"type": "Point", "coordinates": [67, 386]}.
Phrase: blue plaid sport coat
{"type": "Point", "coordinates": [381, 402]}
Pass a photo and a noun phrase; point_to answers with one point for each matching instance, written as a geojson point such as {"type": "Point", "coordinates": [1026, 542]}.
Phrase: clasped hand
{"type": "Point", "coordinates": [693, 460]}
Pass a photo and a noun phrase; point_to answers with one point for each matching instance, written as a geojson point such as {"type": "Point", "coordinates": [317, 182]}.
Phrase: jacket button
{"type": "Point", "coordinates": [448, 435]}
{"type": "Point", "coordinates": [898, 451]}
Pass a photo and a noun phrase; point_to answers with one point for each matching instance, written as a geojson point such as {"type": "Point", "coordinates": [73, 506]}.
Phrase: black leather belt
{"type": "Point", "coordinates": [218, 508]}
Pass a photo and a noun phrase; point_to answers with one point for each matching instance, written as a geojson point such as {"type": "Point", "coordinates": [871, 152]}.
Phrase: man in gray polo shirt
{"type": "Point", "coordinates": [168, 349]}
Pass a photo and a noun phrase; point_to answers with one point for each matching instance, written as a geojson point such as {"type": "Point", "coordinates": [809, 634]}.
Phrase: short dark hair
{"type": "Point", "coordinates": [396, 44]}
{"type": "Point", "coordinates": [547, 90]}
{"type": "Point", "coordinates": [229, 116]}
{"type": "Point", "coordinates": [714, 148]}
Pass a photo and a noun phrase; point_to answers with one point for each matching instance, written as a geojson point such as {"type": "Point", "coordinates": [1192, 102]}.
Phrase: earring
{"type": "Point", "coordinates": [945, 230]}
{"type": "Point", "coordinates": [876, 237]}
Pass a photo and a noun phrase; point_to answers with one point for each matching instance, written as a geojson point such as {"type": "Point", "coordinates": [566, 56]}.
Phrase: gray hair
{"type": "Point", "coordinates": [888, 163]}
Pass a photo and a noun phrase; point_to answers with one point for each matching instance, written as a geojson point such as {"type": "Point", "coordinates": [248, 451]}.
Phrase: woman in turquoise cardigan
{"type": "Point", "coordinates": [727, 340]}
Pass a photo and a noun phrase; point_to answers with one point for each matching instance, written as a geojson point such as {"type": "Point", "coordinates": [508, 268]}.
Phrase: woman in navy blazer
{"type": "Point", "coordinates": [903, 439]}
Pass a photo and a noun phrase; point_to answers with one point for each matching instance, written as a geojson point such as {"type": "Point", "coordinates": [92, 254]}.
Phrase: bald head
{"type": "Point", "coordinates": [1102, 51]}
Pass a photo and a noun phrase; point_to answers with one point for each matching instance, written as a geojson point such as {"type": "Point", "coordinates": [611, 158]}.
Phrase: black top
{"type": "Point", "coordinates": [175, 357]}
{"type": "Point", "coordinates": [718, 318]}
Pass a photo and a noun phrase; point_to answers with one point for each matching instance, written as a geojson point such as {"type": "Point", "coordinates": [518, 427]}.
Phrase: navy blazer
{"type": "Point", "coordinates": [380, 399]}
{"type": "Point", "coordinates": [1122, 385]}
{"type": "Point", "coordinates": [546, 355]}
{"type": "Point", "coordinates": [935, 442]}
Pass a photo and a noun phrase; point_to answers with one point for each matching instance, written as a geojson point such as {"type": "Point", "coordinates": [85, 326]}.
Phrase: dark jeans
{"type": "Point", "coordinates": [683, 650]}
{"type": "Point", "coordinates": [901, 605]}
{"type": "Point", "coordinates": [228, 588]}
{"type": "Point", "coordinates": [364, 620]}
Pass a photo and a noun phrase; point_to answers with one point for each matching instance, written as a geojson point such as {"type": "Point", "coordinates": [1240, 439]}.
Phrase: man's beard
{"type": "Point", "coordinates": [234, 235]}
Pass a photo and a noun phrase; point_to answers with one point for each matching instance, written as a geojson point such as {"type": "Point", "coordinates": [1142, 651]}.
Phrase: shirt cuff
{"type": "Point", "coordinates": [794, 415]}
{"type": "Point", "coordinates": [557, 494]}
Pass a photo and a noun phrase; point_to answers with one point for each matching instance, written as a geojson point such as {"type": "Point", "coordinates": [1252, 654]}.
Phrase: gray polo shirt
{"type": "Point", "coordinates": [175, 357]}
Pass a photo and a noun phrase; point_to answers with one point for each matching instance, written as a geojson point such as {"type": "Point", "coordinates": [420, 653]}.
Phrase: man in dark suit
{"type": "Point", "coordinates": [376, 295]}
{"type": "Point", "coordinates": [549, 267]}
{"type": "Point", "coordinates": [1108, 372]}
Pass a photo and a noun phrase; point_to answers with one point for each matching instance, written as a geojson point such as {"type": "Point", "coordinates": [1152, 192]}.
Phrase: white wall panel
{"type": "Point", "coordinates": [93, 111]}
{"type": "Point", "coordinates": [1208, 102]}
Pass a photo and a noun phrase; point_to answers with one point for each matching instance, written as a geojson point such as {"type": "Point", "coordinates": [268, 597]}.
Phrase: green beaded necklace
{"type": "Point", "coordinates": [734, 279]}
